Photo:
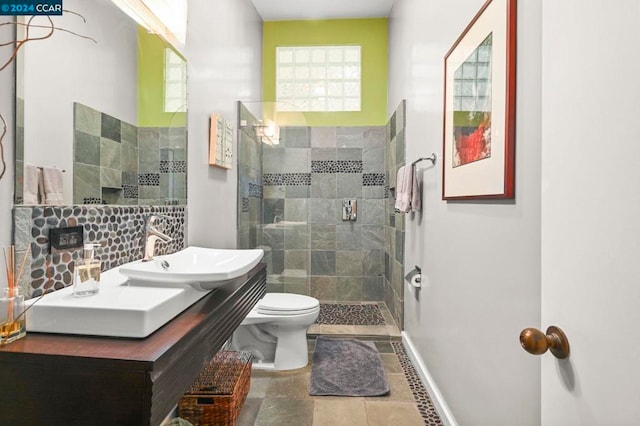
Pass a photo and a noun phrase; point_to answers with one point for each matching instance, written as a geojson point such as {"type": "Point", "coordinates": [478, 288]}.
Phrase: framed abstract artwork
{"type": "Point", "coordinates": [479, 107]}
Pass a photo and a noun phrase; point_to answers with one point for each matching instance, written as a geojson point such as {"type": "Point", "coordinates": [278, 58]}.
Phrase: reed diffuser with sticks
{"type": "Point", "coordinates": [13, 324]}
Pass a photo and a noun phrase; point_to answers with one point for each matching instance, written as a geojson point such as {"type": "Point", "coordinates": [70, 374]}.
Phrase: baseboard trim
{"type": "Point", "coordinates": [438, 401]}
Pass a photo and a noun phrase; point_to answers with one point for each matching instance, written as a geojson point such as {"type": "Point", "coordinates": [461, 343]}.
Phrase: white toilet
{"type": "Point", "coordinates": [275, 331]}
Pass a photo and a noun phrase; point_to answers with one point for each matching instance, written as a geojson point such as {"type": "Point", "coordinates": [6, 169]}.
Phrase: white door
{"type": "Point", "coordinates": [591, 210]}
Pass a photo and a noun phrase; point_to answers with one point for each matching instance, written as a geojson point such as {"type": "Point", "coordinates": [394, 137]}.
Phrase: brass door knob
{"type": "Point", "coordinates": [536, 342]}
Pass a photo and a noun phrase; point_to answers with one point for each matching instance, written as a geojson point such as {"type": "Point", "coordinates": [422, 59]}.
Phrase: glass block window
{"type": "Point", "coordinates": [175, 82]}
{"type": "Point", "coordinates": [472, 80]}
{"type": "Point", "coordinates": [318, 78]}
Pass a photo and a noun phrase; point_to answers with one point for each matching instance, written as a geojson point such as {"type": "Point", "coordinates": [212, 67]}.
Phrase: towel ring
{"type": "Point", "coordinates": [433, 157]}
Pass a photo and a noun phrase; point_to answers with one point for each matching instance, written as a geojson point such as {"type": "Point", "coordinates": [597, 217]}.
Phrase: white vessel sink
{"type": "Point", "coordinates": [204, 268]}
{"type": "Point", "coordinates": [118, 310]}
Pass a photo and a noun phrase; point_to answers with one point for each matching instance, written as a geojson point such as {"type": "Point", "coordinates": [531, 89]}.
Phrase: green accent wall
{"type": "Point", "coordinates": [370, 34]}
{"type": "Point", "coordinates": [151, 83]}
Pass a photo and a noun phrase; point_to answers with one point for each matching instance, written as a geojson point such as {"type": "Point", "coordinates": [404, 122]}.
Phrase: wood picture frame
{"type": "Point", "coordinates": [479, 107]}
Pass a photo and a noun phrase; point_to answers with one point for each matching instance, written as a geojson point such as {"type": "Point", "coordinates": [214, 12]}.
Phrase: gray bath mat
{"type": "Point", "coordinates": [347, 367]}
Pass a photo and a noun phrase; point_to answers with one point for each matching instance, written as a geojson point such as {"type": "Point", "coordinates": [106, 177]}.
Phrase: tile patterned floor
{"type": "Point", "coordinates": [282, 398]}
{"type": "Point", "coordinates": [350, 314]}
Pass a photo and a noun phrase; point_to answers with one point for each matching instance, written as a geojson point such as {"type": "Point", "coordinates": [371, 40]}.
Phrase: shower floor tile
{"type": "Point", "coordinates": [350, 314]}
{"type": "Point", "coordinates": [368, 321]}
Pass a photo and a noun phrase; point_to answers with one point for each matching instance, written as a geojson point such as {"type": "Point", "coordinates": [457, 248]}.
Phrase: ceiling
{"type": "Point", "coordinates": [277, 10]}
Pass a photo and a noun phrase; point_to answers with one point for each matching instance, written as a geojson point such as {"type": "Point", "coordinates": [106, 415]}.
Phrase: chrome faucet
{"type": "Point", "coordinates": [151, 235]}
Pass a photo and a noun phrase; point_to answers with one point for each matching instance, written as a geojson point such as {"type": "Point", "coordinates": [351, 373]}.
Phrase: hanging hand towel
{"type": "Point", "coordinates": [407, 190]}
{"type": "Point", "coordinates": [399, 205]}
{"type": "Point", "coordinates": [30, 184]}
{"type": "Point", "coordinates": [415, 190]}
{"type": "Point", "coordinates": [53, 193]}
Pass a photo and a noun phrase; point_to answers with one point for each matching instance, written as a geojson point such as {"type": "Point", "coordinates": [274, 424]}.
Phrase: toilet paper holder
{"type": "Point", "coordinates": [414, 277]}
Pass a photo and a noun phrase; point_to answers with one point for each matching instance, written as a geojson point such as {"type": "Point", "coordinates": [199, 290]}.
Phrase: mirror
{"type": "Point", "coordinates": [104, 101]}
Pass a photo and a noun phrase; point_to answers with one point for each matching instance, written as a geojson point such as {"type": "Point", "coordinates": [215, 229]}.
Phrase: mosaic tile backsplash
{"type": "Point", "coordinates": [118, 229]}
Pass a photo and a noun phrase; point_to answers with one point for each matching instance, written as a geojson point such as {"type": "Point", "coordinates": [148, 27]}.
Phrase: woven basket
{"type": "Point", "coordinates": [217, 395]}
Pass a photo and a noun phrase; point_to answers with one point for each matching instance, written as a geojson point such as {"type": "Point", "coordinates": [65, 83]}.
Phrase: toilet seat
{"type": "Point", "coordinates": [286, 304]}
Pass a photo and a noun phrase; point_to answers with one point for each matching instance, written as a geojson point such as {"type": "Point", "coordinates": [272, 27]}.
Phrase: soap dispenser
{"type": "Point", "coordinates": [86, 277]}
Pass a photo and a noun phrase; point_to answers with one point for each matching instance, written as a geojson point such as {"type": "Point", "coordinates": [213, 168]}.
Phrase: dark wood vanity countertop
{"type": "Point", "coordinates": [65, 379]}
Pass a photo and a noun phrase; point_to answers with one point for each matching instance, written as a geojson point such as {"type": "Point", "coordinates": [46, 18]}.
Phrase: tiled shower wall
{"type": "Point", "coordinates": [118, 163]}
{"type": "Point", "coordinates": [310, 249]}
{"type": "Point", "coordinates": [249, 183]}
{"type": "Point", "coordinates": [394, 223]}
{"type": "Point", "coordinates": [118, 229]}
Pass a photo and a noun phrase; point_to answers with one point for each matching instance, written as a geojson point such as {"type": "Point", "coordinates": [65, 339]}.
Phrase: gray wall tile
{"type": "Point", "coordinates": [295, 137]}
{"type": "Point", "coordinates": [324, 154]}
{"type": "Point", "coordinates": [110, 178]}
{"type": "Point", "coordinates": [349, 263]}
{"type": "Point", "coordinates": [349, 154]}
{"type": "Point", "coordinates": [323, 262]}
{"type": "Point", "coordinates": [350, 289]}
{"type": "Point", "coordinates": [373, 289]}
{"type": "Point", "coordinates": [351, 137]}
{"type": "Point", "coordinates": [323, 288]}
{"type": "Point", "coordinates": [323, 237]}
{"type": "Point", "coordinates": [349, 185]}
{"type": "Point", "coordinates": [372, 211]}
{"type": "Point", "coordinates": [86, 148]}
{"type": "Point", "coordinates": [296, 263]}
{"type": "Point", "coordinates": [296, 237]}
{"type": "Point", "coordinates": [349, 237]}
{"type": "Point", "coordinates": [110, 154]}
{"type": "Point", "coordinates": [323, 137]}
{"type": "Point", "coordinates": [323, 185]}
{"type": "Point", "coordinates": [296, 209]}
{"type": "Point", "coordinates": [87, 119]}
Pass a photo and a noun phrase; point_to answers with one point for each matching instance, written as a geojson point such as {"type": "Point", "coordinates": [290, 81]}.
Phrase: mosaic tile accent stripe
{"type": "Point", "coordinates": [349, 166]}
{"type": "Point", "coordinates": [336, 166]}
{"type": "Point", "coordinates": [167, 166]}
{"type": "Point", "coordinates": [373, 179]}
{"type": "Point", "coordinates": [291, 179]}
{"type": "Point", "coordinates": [323, 166]}
{"type": "Point", "coordinates": [350, 314]}
{"type": "Point", "coordinates": [245, 205]}
{"type": "Point", "coordinates": [255, 190]}
{"type": "Point", "coordinates": [423, 400]}
{"type": "Point", "coordinates": [130, 191]}
{"type": "Point", "coordinates": [118, 229]}
{"type": "Point", "coordinates": [149, 179]}
{"type": "Point", "coordinates": [92, 200]}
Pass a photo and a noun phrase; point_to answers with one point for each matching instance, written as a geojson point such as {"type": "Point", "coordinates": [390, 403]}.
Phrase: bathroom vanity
{"type": "Point", "coordinates": [53, 379]}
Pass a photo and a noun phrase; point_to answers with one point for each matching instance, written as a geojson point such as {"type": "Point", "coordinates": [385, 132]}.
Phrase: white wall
{"type": "Point", "coordinates": [6, 109]}
{"type": "Point", "coordinates": [224, 45]}
{"type": "Point", "coordinates": [481, 261]}
{"type": "Point", "coordinates": [64, 69]}
{"type": "Point", "coordinates": [590, 210]}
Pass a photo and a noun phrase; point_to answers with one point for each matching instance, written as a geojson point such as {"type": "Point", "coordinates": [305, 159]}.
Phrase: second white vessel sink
{"type": "Point", "coordinates": [205, 268]}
